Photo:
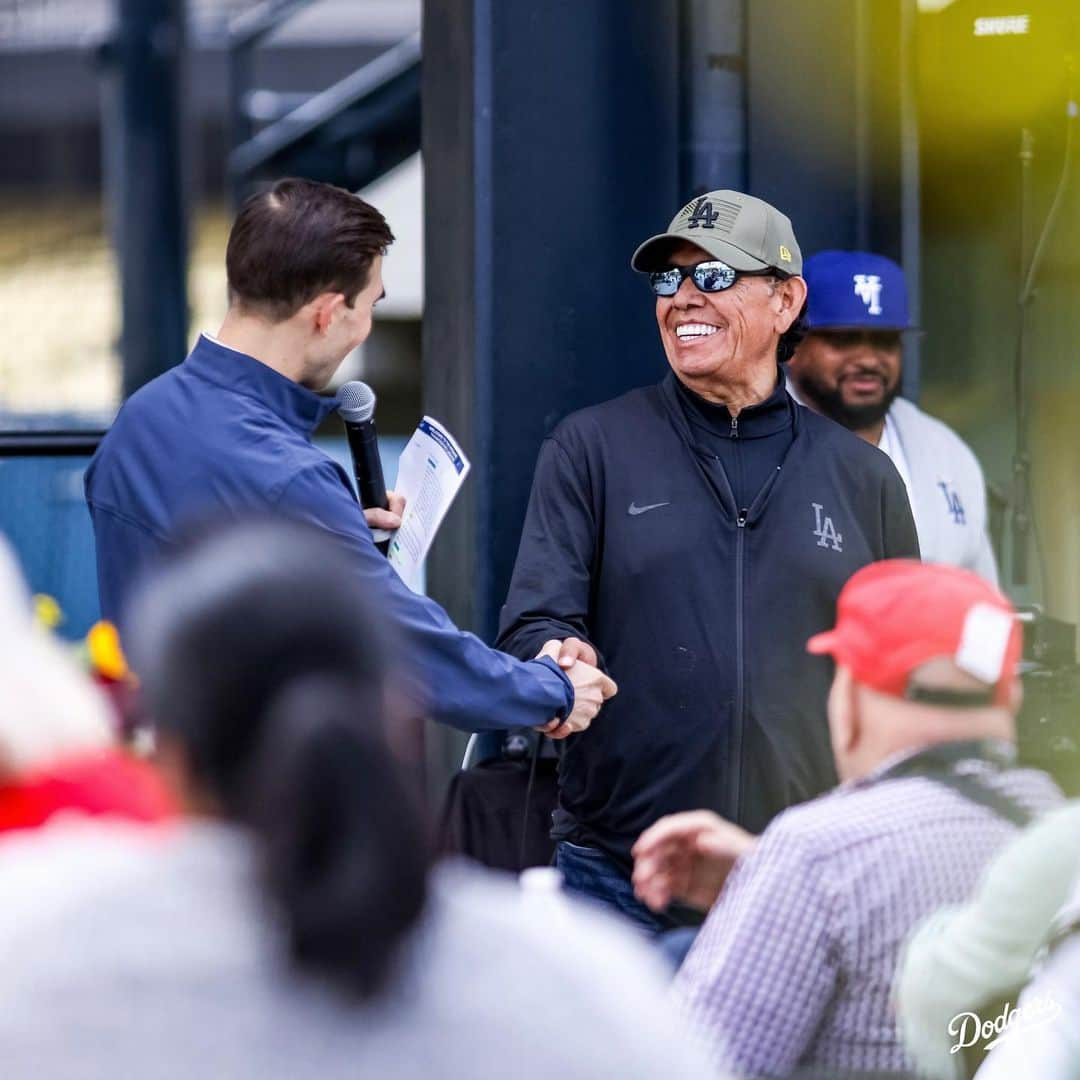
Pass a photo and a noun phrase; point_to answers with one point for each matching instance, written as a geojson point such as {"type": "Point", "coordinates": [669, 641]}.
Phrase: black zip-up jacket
{"type": "Point", "coordinates": [699, 608]}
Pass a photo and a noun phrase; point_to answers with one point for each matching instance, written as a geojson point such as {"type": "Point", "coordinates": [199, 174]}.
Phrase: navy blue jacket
{"type": "Point", "coordinates": [223, 434]}
{"type": "Point", "coordinates": [699, 608]}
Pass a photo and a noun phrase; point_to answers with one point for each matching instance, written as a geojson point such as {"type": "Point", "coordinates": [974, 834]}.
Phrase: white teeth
{"type": "Point", "coordinates": [694, 330]}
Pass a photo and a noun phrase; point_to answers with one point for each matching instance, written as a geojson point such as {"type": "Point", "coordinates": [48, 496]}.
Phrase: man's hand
{"type": "Point", "coordinates": [591, 686]}
{"type": "Point", "coordinates": [387, 519]}
{"type": "Point", "coordinates": [572, 650]}
{"type": "Point", "coordinates": [687, 857]}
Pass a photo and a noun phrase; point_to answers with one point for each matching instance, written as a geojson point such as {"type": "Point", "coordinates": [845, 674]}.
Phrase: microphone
{"type": "Point", "coordinates": [357, 410]}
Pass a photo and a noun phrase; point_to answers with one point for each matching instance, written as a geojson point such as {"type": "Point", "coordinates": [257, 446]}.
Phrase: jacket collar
{"type": "Point", "coordinates": [766, 418]}
{"type": "Point", "coordinates": [230, 369]}
{"type": "Point", "coordinates": [671, 400]}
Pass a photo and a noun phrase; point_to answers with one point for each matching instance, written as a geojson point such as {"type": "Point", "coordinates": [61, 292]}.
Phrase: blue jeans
{"type": "Point", "coordinates": [675, 944]}
{"type": "Point", "coordinates": [590, 872]}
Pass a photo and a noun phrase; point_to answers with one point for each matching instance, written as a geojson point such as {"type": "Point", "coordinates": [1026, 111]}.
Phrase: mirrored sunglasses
{"type": "Point", "coordinates": [710, 276]}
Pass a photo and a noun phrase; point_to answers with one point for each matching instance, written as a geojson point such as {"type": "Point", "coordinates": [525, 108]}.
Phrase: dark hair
{"type": "Point", "coordinates": [791, 337]}
{"type": "Point", "coordinates": [298, 239]}
{"type": "Point", "coordinates": [261, 656]}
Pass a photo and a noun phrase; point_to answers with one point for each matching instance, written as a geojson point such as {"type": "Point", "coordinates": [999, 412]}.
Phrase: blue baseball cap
{"type": "Point", "coordinates": [855, 289]}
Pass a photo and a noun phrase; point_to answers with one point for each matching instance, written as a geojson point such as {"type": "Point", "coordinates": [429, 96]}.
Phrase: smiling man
{"type": "Point", "coordinates": [848, 368]}
{"type": "Point", "coordinates": [690, 537]}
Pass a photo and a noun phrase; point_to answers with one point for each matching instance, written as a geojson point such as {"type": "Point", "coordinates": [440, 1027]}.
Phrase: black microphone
{"type": "Point", "coordinates": [357, 410]}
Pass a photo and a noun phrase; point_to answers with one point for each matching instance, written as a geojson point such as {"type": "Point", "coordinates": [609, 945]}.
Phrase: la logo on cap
{"type": "Point", "coordinates": [868, 290]}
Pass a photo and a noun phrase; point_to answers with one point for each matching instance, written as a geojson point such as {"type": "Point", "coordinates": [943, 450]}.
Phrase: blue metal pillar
{"type": "Point", "coordinates": [144, 152]}
{"type": "Point", "coordinates": [824, 98]}
{"type": "Point", "coordinates": [551, 148]}
{"type": "Point", "coordinates": [712, 95]}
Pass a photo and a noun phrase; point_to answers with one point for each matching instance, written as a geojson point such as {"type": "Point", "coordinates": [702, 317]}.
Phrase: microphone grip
{"type": "Point", "coordinates": [367, 465]}
{"type": "Point", "coordinates": [367, 468]}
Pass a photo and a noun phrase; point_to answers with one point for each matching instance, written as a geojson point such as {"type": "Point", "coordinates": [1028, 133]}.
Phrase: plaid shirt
{"type": "Point", "coordinates": [793, 967]}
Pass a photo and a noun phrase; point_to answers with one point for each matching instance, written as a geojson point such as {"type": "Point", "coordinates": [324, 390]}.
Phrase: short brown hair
{"type": "Point", "coordinates": [298, 239]}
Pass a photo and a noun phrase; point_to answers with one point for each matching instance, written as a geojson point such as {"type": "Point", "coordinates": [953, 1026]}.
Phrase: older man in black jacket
{"type": "Point", "coordinates": [690, 536]}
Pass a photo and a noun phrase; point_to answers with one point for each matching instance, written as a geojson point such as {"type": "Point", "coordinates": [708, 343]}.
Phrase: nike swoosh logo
{"type": "Point", "coordinates": [635, 509]}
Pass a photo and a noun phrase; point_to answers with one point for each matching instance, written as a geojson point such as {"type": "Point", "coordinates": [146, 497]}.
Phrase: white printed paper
{"type": "Point", "coordinates": [431, 470]}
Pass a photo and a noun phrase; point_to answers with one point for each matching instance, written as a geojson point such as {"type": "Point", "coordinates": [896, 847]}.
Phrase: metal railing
{"type": "Point", "coordinates": [380, 97]}
{"type": "Point", "coordinates": [51, 443]}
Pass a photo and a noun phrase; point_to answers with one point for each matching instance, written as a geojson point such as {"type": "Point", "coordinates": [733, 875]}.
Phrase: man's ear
{"type": "Point", "coordinates": [323, 309]}
{"type": "Point", "coordinates": [792, 294]}
{"type": "Point", "coordinates": [844, 722]}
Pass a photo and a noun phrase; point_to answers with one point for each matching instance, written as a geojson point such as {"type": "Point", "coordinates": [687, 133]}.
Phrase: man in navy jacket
{"type": "Point", "coordinates": [690, 537]}
{"type": "Point", "coordinates": [228, 432]}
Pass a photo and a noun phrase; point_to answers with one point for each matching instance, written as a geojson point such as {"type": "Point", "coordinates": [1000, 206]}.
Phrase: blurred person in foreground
{"type": "Point", "coordinates": [794, 966]}
{"type": "Point", "coordinates": [59, 758]}
{"type": "Point", "coordinates": [1041, 1038]}
{"type": "Point", "coordinates": [849, 367]}
{"type": "Point", "coordinates": [690, 536]}
{"type": "Point", "coordinates": [292, 926]}
{"type": "Point", "coordinates": [967, 964]}
{"type": "Point", "coordinates": [228, 432]}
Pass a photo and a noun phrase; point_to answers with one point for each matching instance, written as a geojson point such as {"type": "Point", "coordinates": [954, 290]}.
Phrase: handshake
{"type": "Point", "coordinates": [592, 687]}
{"type": "Point", "coordinates": [577, 658]}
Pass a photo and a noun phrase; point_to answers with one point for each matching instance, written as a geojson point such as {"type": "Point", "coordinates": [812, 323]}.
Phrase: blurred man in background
{"type": "Point", "coordinates": [694, 534]}
{"type": "Point", "coordinates": [849, 366]}
{"type": "Point", "coordinates": [794, 966]}
{"type": "Point", "coordinates": [228, 432]}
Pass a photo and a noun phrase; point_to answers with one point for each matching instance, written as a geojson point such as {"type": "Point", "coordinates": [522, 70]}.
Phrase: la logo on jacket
{"type": "Point", "coordinates": [825, 530]}
{"type": "Point", "coordinates": [952, 502]}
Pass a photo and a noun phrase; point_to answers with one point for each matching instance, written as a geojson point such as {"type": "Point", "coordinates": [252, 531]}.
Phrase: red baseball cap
{"type": "Point", "coordinates": [894, 616]}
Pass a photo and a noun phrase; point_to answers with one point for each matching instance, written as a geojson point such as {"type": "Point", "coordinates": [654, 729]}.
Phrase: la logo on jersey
{"type": "Point", "coordinates": [825, 530]}
{"type": "Point", "coordinates": [868, 290]}
{"type": "Point", "coordinates": [953, 503]}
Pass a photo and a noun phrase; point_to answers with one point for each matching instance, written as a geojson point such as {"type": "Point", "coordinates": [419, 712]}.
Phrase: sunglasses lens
{"type": "Point", "coordinates": [665, 282]}
{"type": "Point", "coordinates": [713, 276]}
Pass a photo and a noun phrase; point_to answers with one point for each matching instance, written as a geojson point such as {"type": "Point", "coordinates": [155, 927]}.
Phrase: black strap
{"type": "Point", "coordinates": [942, 757]}
{"type": "Point", "coordinates": [528, 801]}
{"type": "Point", "coordinates": [938, 763]}
{"type": "Point", "coordinates": [974, 790]}
{"type": "Point", "coordinates": [950, 699]}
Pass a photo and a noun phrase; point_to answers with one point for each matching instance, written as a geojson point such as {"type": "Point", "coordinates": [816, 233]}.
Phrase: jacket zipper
{"type": "Point", "coordinates": [740, 689]}
{"type": "Point", "coordinates": [741, 521]}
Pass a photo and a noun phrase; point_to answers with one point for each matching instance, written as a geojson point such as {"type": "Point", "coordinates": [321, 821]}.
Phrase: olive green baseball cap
{"type": "Point", "coordinates": [744, 232]}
